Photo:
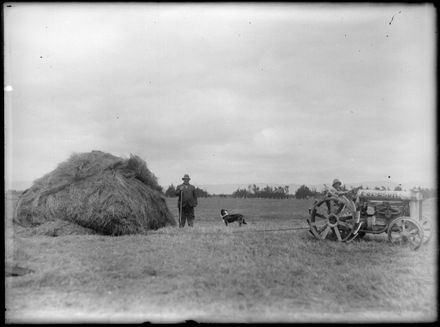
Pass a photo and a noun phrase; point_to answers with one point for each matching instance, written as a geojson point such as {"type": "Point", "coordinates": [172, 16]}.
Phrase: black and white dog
{"type": "Point", "coordinates": [227, 218]}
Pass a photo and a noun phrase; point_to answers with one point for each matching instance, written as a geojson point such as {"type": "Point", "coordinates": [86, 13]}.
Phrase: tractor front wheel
{"type": "Point", "coordinates": [405, 231]}
{"type": "Point", "coordinates": [427, 229]}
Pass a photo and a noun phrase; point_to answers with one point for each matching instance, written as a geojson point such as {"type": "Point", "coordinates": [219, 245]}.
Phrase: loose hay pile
{"type": "Point", "coordinates": [97, 191]}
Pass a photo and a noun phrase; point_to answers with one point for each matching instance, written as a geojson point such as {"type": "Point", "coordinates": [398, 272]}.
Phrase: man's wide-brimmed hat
{"type": "Point", "coordinates": [186, 176]}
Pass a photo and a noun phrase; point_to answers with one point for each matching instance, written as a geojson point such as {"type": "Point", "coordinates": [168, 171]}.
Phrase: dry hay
{"type": "Point", "coordinates": [99, 192]}
{"type": "Point", "coordinates": [54, 228]}
{"type": "Point", "coordinates": [13, 270]}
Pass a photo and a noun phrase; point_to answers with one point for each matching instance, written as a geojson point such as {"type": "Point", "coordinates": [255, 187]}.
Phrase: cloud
{"type": "Point", "coordinates": [271, 93]}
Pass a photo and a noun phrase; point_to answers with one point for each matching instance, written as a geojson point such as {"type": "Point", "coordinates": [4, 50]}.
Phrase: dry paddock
{"type": "Point", "coordinates": [268, 271]}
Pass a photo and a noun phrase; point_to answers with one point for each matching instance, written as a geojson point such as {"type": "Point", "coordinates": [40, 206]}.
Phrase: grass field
{"type": "Point", "coordinates": [270, 270]}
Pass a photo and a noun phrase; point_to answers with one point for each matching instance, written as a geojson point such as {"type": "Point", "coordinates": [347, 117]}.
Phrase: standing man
{"type": "Point", "coordinates": [187, 201]}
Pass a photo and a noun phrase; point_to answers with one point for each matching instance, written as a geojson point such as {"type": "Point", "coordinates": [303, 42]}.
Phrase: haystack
{"type": "Point", "coordinates": [97, 191]}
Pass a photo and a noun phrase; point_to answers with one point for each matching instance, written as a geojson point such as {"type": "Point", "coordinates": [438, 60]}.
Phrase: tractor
{"type": "Point", "coordinates": [396, 213]}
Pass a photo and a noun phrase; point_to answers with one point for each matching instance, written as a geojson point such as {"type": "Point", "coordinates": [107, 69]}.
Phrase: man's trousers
{"type": "Point", "coordinates": [187, 215]}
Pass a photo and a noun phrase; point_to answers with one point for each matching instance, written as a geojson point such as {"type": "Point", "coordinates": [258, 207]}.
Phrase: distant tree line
{"type": "Point", "coordinates": [277, 192]}
{"type": "Point", "coordinates": [253, 191]}
{"type": "Point", "coordinates": [304, 192]}
{"type": "Point", "coordinates": [171, 192]}
{"type": "Point", "coordinates": [282, 192]}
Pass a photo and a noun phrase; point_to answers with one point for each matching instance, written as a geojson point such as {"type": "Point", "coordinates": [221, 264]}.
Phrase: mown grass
{"type": "Point", "coordinates": [214, 273]}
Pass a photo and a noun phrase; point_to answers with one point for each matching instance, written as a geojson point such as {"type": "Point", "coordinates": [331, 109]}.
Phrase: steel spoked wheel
{"type": "Point", "coordinates": [333, 219]}
{"type": "Point", "coordinates": [406, 231]}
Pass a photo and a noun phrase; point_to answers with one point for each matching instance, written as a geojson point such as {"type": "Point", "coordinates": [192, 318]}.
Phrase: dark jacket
{"type": "Point", "coordinates": [188, 194]}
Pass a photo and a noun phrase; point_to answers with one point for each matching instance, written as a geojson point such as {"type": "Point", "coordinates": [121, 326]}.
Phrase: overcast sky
{"type": "Point", "coordinates": [228, 93]}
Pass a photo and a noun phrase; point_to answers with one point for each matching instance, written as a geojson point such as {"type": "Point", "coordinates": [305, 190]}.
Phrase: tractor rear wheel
{"type": "Point", "coordinates": [331, 218]}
